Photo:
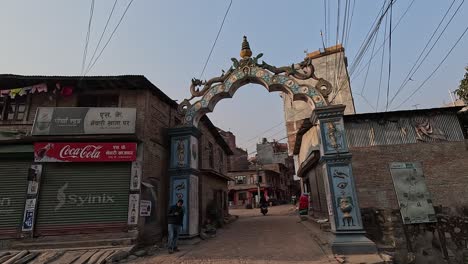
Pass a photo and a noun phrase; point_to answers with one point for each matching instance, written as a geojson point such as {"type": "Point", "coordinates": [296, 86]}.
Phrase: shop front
{"type": "Point", "coordinates": [87, 187]}
{"type": "Point", "coordinates": [15, 166]}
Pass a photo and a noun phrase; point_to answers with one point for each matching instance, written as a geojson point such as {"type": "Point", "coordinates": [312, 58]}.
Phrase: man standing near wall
{"type": "Point", "coordinates": [175, 221]}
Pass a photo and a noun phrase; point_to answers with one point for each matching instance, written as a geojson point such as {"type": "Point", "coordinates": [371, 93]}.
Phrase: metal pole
{"type": "Point", "coordinates": [451, 97]}
{"type": "Point", "coordinates": [258, 185]}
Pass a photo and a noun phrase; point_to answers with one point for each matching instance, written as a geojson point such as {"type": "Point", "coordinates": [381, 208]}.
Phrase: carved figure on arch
{"type": "Point", "coordinates": [180, 153]}
{"type": "Point", "coordinates": [346, 207]}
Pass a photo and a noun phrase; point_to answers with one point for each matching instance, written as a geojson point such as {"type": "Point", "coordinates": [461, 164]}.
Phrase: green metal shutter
{"type": "Point", "coordinates": [83, 198]}
{"type": "Point", "coordinates": [13, 185]}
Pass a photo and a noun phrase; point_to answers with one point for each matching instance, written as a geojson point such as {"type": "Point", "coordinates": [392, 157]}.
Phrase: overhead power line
{"type": "Point", "coordinates": [255, 151]}
{"type": "Point", "coordinates": [85, 51]}
{"type": "Point", "coordinates": [271, 128]}
{"type": "Point", "coordinates": [349, 24]}
{"type": "Point", "coordinates": [435, 70]}
{"type": "Point", "coordinates": [381, 69]}
{"type": "Point", "coordinates": [325, 20]}
{"type": "Point", "coordinates": [368, 67]}
{"type": "Point", "coordinates": [389, 56]}
{"type": "Point", "coordinates": [362, 48]}
{"type": "Point", "coordinates": [216, 39]}
{"type": "Point", "coordinates": [373, 54]}
{"type": "Point", "coordinates": [110, 37]}
{"type": "Point", "coordinates": [413, 70]}
{"type": "Point", "coordinates": [368, 40]}
{"type": "Point", "coordinates": [102, 34]}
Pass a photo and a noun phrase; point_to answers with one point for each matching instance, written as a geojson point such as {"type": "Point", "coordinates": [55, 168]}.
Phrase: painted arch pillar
{"type": "Point", "coordinates": [342, 200]}
{"type": "Point", "coordinates": [183, 173]}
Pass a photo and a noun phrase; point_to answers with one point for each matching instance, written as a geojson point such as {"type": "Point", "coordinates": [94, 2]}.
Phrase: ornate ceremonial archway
{"type": "Point", "coordinates": [249, 70]}
{"type": "Point", "coordinates": [299, 81]}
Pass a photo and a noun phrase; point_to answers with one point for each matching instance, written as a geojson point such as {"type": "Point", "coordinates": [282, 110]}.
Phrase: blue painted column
{"type": "Point", "coordinates": [342, 200]}
{"type": "Point", "coordinates": [183, 173]}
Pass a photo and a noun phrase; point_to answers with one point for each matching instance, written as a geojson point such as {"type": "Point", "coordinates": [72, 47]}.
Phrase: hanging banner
{"type": "Point", "coordinates": [34, 178]}
{"type": "Point", "coordinates": [83, 120]}
{"type": "Point", "coordinates": [136, 176]}
{"type": "Point", "coordinates": [28, 219]}
{"type": "Point", "coordinates": [133, 202]}
{"type": "Point", "coordinates": [84, 152]}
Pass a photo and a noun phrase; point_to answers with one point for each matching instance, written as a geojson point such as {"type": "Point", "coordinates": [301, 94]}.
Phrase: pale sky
{"type": "Point", "coordinates": [169, 41]}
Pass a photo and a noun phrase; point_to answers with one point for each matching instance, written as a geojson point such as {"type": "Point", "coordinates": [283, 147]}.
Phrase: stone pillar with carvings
{"type": "Point", "coordinates": [183, 173]}
{"type": "Point", "coordinates": [342, 201]}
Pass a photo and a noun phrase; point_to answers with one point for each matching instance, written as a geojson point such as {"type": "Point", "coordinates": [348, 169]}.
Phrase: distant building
{"type": "Point", "coordinates": [272, 152]}
{"type": "Point", "coordinates": [239, 158]}
{"type": "Point", "coordinates": [245, 185]}
{"type": "Point", "coordinates": [271, 170]}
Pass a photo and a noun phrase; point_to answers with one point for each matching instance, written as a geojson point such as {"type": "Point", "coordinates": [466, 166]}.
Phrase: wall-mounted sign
{"type": "Point", "coordinates": [83, 120]}
{"type": "Point", "coordinates": [145, 208]}
{"type": "Point", "coordinates": [28, 218]}
{"type": "Point", "coordinates": [34, 178]}
{"type": "Point", "coordinates": [133, 201]}
{"type": "Point", "coordinates": [136, 176]}
{"type": "Point", "coordinates": [84, 152]}
{"type": "Point", "coordinates": [413, 197]}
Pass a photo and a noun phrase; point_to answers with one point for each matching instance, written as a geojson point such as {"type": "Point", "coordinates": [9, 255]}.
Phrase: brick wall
{"type": "Point", "coordinates": [152, 124]}
{"type": "Point", "coordinates": [239, 160]}
{"type": "Point", "coordinates": [445, 167]}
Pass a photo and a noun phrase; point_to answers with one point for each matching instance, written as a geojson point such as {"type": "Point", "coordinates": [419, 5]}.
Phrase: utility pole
{"type": "Point", "coordinates": [258, 183]}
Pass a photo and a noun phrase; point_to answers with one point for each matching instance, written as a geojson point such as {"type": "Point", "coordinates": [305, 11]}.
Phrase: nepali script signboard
{"type": "Point", "coordinates": [83, 121]}
{"type": "Point", "coordinates": [84, 152]}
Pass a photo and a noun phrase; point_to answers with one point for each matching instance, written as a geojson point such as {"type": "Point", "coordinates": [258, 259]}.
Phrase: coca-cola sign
{"type": "Point", "coordinates": [84, 152]}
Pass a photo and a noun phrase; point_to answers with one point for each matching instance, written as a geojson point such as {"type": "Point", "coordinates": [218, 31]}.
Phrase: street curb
{"type": "Point", "coordinates": [326, 250]}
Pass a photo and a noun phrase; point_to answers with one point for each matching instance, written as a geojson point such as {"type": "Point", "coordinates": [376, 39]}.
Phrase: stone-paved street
{"type": "Point", "coordinates": [275, 238]}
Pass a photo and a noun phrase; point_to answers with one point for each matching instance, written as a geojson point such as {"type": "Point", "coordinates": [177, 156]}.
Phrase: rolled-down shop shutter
{"type": "Point", "coordinates": [83, 198]}
{"type": "Point", "coordinates": [13, 185]}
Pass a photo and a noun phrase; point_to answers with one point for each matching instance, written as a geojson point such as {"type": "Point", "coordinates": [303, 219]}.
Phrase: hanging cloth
{"type": "Point", "coordinates": [39, 88]}
{"type": "Point", "coordinates": [15, 92]}
{"type": "Point", "coordinates": [66, 91]}
{"type": "Point", "coordinates": [4, 93]}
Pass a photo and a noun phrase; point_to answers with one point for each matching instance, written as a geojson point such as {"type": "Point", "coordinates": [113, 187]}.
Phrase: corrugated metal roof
{"type": "Point", "coordinates": [11, 81]}
{"type": "Point", "coordinates": [403, 130]}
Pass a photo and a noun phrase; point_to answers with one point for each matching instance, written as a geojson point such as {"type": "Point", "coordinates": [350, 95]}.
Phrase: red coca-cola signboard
{"type": "Point", "coordinates": [84, 152]}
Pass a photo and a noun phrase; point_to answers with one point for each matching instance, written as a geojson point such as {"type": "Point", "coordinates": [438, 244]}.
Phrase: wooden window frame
{"type": "Point", "coordinates": [14, 101]}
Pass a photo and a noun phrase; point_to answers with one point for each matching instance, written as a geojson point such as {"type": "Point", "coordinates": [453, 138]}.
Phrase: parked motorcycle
{"type": "Point", "coordinates": [264, 209]}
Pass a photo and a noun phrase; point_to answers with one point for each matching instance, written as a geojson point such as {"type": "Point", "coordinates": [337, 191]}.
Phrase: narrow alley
{"type": "Point", "coordinates": [253, 238]}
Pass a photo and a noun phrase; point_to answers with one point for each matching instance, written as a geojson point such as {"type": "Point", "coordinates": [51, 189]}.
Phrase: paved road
{"type": "Point", "coordinates": [275, 238]}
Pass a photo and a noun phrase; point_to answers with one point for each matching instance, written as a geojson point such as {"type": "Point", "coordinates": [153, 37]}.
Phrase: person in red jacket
{"type": "Point", "coordinates": [304, 205]}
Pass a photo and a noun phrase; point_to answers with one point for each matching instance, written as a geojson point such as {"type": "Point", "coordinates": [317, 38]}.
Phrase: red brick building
{"type": "Point", "coordinates": [95, 197]}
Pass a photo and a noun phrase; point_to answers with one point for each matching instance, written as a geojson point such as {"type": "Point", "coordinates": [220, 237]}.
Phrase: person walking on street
{"type": "Point", "coordinates": [175, 222]}
{"type": "Point", "coordinates": [303, 206]}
